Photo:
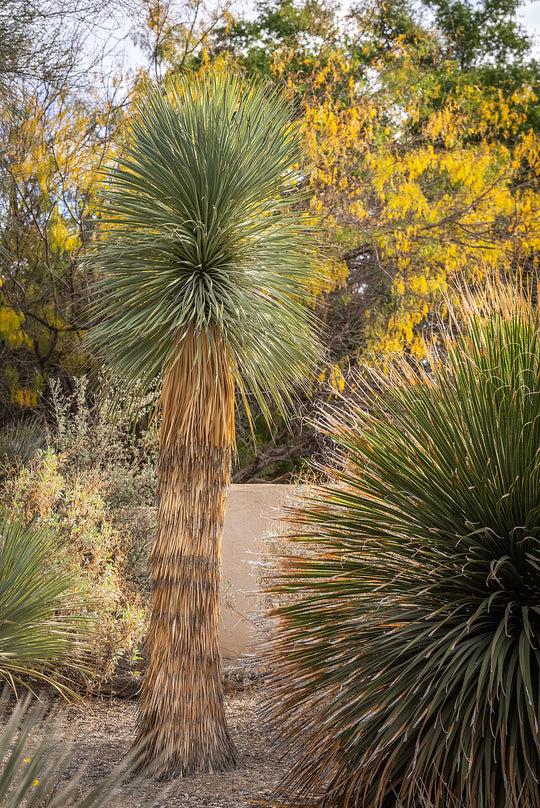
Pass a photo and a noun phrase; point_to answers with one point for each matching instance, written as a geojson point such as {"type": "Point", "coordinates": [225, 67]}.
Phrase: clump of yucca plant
{"type": "Point", "coordinates": [405, 661]}
{"type": "Point", "coordinates": [45, 631]}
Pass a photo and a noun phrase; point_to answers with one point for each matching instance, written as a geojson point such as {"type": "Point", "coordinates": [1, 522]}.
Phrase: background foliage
{"type": "Point", "coordinates": [421, 133]}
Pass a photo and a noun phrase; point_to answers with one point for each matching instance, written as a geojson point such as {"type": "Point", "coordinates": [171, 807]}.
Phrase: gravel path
{"type": "Point", "coordinates": [103, 731]}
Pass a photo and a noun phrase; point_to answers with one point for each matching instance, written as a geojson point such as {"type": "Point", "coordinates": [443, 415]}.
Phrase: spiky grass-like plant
{"type": "Point", "coordinates": [34, 774]}
{"type": "Point", "coordinates": [405, 669]}
{"type": "Point", "coordinates": [204, 278]}
{"type": "Point", "coordinates": [42, 623]}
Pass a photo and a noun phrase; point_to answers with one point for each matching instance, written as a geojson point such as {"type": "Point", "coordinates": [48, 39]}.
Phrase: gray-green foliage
{"type": "Point", "coordinates": [90, 440]}
{"type": "Point", "coordinates": [200, 234]}
{"type": "Point", "coordinates": [407, 665]}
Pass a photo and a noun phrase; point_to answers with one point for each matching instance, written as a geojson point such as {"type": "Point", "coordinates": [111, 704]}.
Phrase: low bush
{"type": "Point", "coordinates": [405, 658]}
{"type": "Point", "coordinates": [52, 494]}
{"type": "Point", "coordinates": [122, 454]}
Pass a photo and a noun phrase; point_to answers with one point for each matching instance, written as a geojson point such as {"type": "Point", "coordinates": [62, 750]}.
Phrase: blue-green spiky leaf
{"type": "Point", "coordinates": [200, 232]}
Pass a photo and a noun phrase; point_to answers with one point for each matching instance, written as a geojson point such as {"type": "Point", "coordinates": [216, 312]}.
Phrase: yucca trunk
{"type": "Point", "coordinates": [182, 726]}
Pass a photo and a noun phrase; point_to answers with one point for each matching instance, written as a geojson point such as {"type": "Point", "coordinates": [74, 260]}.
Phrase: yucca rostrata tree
{"type": "Point", "coordinates": [406, 657]}
{"type": "Point", "coordinates": [204, 277]}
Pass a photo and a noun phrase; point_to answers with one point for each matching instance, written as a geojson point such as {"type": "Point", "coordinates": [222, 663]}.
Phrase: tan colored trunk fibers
{"type": "Point", "coordinates": [182, 727]}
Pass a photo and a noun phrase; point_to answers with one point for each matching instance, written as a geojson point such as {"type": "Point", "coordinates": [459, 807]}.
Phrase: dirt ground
{"type": "Point", "coordinates": [103, 730]}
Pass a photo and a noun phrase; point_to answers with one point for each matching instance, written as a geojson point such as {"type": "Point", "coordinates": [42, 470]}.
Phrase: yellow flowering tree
{"type": "Point", "coordinates": [426, 189]}
{"type": "Point", "coordinates": [53, 145]}
{"type": "Point", "coordinates": [419, 172]}
{"type": "Point", "coordinates": [419, 178]}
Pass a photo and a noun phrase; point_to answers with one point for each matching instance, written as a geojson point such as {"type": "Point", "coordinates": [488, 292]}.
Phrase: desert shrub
{"type": "Point", "coordinates": [405, 658]}
{"type": "Point", "coordinates": [122, 453]}
{"type": "Point", "coordinates": [43, 625]}
{"type": "Point", "coordinates": [52, 493]}
{"type": "Point", "coordinates": [141, 524]}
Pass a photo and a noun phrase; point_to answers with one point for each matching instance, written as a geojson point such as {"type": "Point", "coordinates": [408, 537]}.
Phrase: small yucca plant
{"type": "Point", "coordinates": [405, 666]}
{"type": "Point", "coordinates": [42, 622]}
{"type": "Point", "coordinates": [19, 444]}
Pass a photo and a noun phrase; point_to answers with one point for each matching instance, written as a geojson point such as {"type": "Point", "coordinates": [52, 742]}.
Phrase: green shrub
{"type": "Point", "coordinates": [43, 627]}
{"type": "Point", "coordinates": [141, 524]}
{"type": "Point", "coordinates": [122, 454]}
{"type": "Point", "coordinates": [406, 666]}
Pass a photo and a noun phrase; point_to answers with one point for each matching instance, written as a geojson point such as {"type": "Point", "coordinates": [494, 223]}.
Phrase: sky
{"type": "Point", "coordinates": [530, 15]}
